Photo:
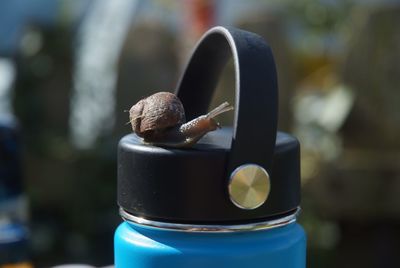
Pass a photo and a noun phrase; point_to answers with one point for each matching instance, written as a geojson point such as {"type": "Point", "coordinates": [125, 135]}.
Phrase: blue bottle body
{"type": "Point", "coordinates": [137, 246]}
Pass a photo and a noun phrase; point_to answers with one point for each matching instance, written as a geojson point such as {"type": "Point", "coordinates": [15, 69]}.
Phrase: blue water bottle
{"type": "Point", "coordinates": [232, 199]}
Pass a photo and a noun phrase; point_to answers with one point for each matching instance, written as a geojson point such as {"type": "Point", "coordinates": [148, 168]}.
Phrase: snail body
{"type": "Point", "coordinates": [160, 120]}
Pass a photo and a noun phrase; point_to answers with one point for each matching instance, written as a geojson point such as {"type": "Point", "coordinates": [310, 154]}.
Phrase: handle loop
{"type": "Point", "coordinates": [255, 119]}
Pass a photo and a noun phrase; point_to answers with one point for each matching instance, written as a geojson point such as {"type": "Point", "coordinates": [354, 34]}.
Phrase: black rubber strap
{"type": "Point", "coordinates": [255, 121]}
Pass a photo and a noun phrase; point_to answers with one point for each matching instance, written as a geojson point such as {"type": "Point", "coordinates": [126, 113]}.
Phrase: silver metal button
{"type": "Point", "coordinates": [249, 186]}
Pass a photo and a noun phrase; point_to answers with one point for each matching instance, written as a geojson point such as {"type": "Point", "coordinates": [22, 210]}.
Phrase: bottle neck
{"type": "Point", "coordinates": [211, 228]}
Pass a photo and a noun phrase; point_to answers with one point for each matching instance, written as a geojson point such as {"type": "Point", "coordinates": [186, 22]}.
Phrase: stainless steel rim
{"type": "Point", "coordinates": [210, 228]}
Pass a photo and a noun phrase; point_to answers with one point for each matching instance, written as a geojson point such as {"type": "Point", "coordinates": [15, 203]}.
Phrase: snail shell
{"type": "Point", "coordinates": [150, 117]}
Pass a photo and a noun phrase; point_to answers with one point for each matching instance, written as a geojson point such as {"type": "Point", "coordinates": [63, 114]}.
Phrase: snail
{"type": "Point", "coordinates": [160, 120]}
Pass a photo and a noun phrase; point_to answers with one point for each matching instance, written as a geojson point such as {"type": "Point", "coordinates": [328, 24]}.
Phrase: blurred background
{"type": "Point", "coordinates": [69, 69]}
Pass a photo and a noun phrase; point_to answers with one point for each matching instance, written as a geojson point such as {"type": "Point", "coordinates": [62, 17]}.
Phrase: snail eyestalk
{"type": "Point", "coordinates": [222, 108]}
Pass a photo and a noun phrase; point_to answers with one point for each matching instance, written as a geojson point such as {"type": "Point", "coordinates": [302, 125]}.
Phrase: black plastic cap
{"type": "Point", "coordinates": [191, 185]}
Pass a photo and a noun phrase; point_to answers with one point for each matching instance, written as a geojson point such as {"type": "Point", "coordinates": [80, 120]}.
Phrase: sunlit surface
{"type": "Point", "coordinates": [99, 44]}
{"type": "Point", "coordinates": [7, 75]}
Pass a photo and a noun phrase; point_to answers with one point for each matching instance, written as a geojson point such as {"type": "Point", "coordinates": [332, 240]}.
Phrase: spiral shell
{"type": "Point", "coordinates": [150, 116]}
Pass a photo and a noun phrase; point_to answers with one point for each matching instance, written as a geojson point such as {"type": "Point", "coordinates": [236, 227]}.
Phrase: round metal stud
{"type": "Point", "coordinates": [249, 186]}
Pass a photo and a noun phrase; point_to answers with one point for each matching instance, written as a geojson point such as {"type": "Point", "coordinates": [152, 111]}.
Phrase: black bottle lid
{"type": "Point", "coordinates": [197, 185]}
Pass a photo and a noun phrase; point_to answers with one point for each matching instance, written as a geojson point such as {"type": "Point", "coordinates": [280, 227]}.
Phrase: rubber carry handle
{"type": "Point", "coordinates": [256, 104]}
